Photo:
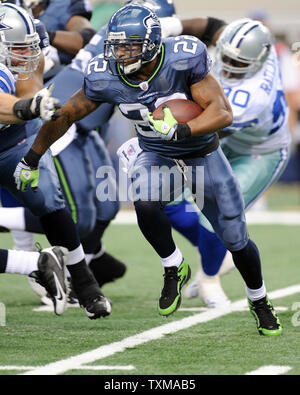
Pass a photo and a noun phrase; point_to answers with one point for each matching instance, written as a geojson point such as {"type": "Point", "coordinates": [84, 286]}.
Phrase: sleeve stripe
{"type": "Point", "coordinates": [5, 77]}
{"type": "Point", "coordinates": [3, 87]}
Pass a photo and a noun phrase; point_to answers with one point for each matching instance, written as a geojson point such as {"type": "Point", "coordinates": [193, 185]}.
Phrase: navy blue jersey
{"type": "Point", "coordinates": [11, 135]}
{"type": "Point", "coordinates": [58, 14]}
{"type": "Point", "coordinates": [184, 61]}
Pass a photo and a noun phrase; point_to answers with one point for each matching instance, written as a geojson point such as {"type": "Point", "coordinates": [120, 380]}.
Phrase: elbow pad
{"type": "Point", "coordinates": [87, 35]}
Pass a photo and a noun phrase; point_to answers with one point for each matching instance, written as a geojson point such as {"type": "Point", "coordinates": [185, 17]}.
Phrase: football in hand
{"type": "Point", "coordinates": [183, 110]}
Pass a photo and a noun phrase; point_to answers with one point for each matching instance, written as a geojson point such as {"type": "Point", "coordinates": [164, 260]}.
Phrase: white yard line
{"type": "Point", "coordinates": [127, 217]}
{"type": "Point", "coordinates": [159, 332]}
{"type": "Point", "coordinates": [269, 370]}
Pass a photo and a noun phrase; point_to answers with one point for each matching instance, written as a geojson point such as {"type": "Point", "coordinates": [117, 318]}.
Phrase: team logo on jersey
{"type": "Point", "coordinates": [144, 86]}
{"type": "Point", "coordinates": [3, 26]}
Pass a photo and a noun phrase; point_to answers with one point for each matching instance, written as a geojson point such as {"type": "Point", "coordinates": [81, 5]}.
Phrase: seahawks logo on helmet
{"type": "Point", "coordinates": [3, 26]}
{"type": "Point", "coordinates": [151, 21]}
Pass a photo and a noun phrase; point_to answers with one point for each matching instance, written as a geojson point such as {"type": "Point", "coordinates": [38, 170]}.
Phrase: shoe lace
{"type": "Point", "coordinates": [170, 276]}
{"type": "Point", "coordinates": [265, 312]}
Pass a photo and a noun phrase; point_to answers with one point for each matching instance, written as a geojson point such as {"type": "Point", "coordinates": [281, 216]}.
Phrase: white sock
{"type": "Point", "coordinates": [174, 259]}
{"type": "Point", "coordinates": [75, 256]}
{"type": "Point", "coordinates": [256, 294]}
{"type": "Point", "coordinates": [22, 262]}
{"type": "Point", "coordinates": [23, 240]}
{"type": "Point", "coordinates": [90, 257]}
{"type": "Point", "coordinates": [12, 218]}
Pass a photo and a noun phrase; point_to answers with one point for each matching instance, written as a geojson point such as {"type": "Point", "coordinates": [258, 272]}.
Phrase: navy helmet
{"type": "Point", "coordinates": [162, 8]}
{"type": "Point", "coordinates": [133, 38]}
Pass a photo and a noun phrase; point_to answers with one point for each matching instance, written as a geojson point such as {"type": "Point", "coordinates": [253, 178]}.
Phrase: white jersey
{"type": "Point", "coordinates": [260, 111]}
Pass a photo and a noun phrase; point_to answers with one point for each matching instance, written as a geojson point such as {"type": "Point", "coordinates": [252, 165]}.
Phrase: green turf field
{"type": "Point", "coordinates": [227, 345]}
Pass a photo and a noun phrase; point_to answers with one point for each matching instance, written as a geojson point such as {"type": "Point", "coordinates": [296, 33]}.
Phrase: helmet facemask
{"type": "Point", "coordinates": [21, 58]}
{"type": "Point", "coordinates": [129, 54]}
{"type": "Point", "coordinates": [239, 54]}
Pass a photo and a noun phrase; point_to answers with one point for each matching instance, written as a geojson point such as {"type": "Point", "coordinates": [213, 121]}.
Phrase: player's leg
{"type": "Point", "coordinates": [149, 182]}
{"type": "Point", "coordinates": [224, 208]}
{"type": "Point", "coordinates": [105, 267]}
{"type": "Point", "coordinates": [47, 267]}
{"type": "Point", "coordinates": [48, 204]}
{"type": "Point", "coordinates": [22, 240]}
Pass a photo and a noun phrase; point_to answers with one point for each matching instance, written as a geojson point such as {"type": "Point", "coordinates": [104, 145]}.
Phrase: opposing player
{"type": "Point", "coordinates": [67, 23]}
{"type": "Point", "coordinates": [144, 69]}
{"type": "Point", "coordinates": [256, 144]}
{"type": "Point", "coordinates": [20, 54]}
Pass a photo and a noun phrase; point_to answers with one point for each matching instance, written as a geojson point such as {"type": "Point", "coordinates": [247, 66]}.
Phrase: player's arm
{"type": "Point", "coordinates": [78, 33]}
{"type": "Point", "coordinates": [76, 108]}
{"type": "Point", "coordinates": [207, 29]}
{"type": "Point", "coordinates": [217, 113]}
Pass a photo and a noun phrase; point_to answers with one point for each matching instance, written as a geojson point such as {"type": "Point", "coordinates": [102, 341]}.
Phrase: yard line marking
{"type": "Point", "coordinates": [128, 217]}
{"type": "Point", "coordinates": [17, 367]}
{"type": "Point", "coordinates": [269, 370]}
{"type": "Point", "coordinates": [159, 332]}
{"type": "Point", "coordinates": [103, 367]}
{"type": "Point", "coordinates": [245, 308]}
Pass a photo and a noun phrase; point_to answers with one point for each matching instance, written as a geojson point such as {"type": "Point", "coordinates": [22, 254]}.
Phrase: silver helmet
{"type": "Point", "coordinates": [19, 41]}
{"type": "Point", "coordinates": [242, 48]}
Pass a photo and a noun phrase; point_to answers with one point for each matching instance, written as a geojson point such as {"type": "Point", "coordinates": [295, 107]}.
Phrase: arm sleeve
{"type": "Point", "coordinates": [80, 8]}
{"type": "Point", "coordinates": [199, 66]}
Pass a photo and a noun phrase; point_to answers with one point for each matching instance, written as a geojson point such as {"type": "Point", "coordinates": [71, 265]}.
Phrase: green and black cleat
{"type": "Point", "coordinates": [174, 279]}
{"type": "Point", "coordinates": [267, 322]}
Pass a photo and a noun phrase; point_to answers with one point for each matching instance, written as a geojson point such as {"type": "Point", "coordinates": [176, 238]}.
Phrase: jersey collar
{"type": "Point", "coordinates": [162, 56]}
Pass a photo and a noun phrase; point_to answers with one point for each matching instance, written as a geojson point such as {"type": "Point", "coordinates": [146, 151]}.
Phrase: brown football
{"type": "Point", "coordinates": [182, 109]}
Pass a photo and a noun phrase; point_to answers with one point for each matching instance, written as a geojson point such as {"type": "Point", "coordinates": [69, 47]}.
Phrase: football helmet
{"type": "Point", "coordinates": [242, 49]}
{"type": "Point", "coordinates": [133, 38]}
{"type": "Point", "coordinates": [162, 8]}
{"type": "Point", "coordinates": [34, 3]}
{"type": "Point", "coordinates": [19, 41]}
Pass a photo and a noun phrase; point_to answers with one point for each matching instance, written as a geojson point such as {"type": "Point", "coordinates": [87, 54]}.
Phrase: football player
{"type": "Point", "coordinates": [21, 77]}
{"type": "Point", "coordinates": [256, 144]}
{"type": "Point", "coordinates": [137, 70]}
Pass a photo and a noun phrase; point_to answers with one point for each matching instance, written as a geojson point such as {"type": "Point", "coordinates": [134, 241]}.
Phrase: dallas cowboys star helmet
{"type": "Point", "coordinates": [242, 49]}
{"type": "Point", "coordinates": [131, 27]}
{"type": "Point", "coordinates": [162, 8]}
{"type": "Point", "coordinates": [19, 41]}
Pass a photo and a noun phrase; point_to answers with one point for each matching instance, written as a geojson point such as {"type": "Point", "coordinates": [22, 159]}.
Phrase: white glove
{"type": "Point", "coordinates": [41, 105]}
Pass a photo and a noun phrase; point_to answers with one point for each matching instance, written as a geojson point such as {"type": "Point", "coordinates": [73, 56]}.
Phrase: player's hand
{"type": "Point", "coordinates": [41, 105]}
{"type": "Point", "coordinates": [169, 128]}
{"type": "Point", "coordinates": [24, 175]}
{"type": "Point", "coordinates": [166, 127]}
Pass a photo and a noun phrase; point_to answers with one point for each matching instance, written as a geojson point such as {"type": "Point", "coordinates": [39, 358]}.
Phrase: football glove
{"type": "Point", "coordinates": [169, 128]}
{"type": "Point", "coordinates": [41, 105]}
{"type": "Point", "coordinates": [25, 174]}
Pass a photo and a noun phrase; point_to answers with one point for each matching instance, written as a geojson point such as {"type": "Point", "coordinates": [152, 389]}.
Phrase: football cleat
{"type": "Point", "coordinates": [267, 322]}
{"type": "Point", "coordinates": [51, 276]}
{"type": "Point", "coordinates": [90, 297]}
{"type": "Point", "coordinates": [106, 268]}
{"type": "Point", "coordinates": [174, 279]}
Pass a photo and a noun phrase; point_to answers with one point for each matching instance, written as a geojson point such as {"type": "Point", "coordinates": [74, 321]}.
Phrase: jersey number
{"type": "Point", "coordinates": [187, 46]}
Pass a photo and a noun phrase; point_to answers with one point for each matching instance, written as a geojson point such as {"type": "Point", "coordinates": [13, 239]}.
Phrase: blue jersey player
{"type": "Point", "coordinates": [21, 73]}
{"type": "Point", "coordinates": [138, 71]}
